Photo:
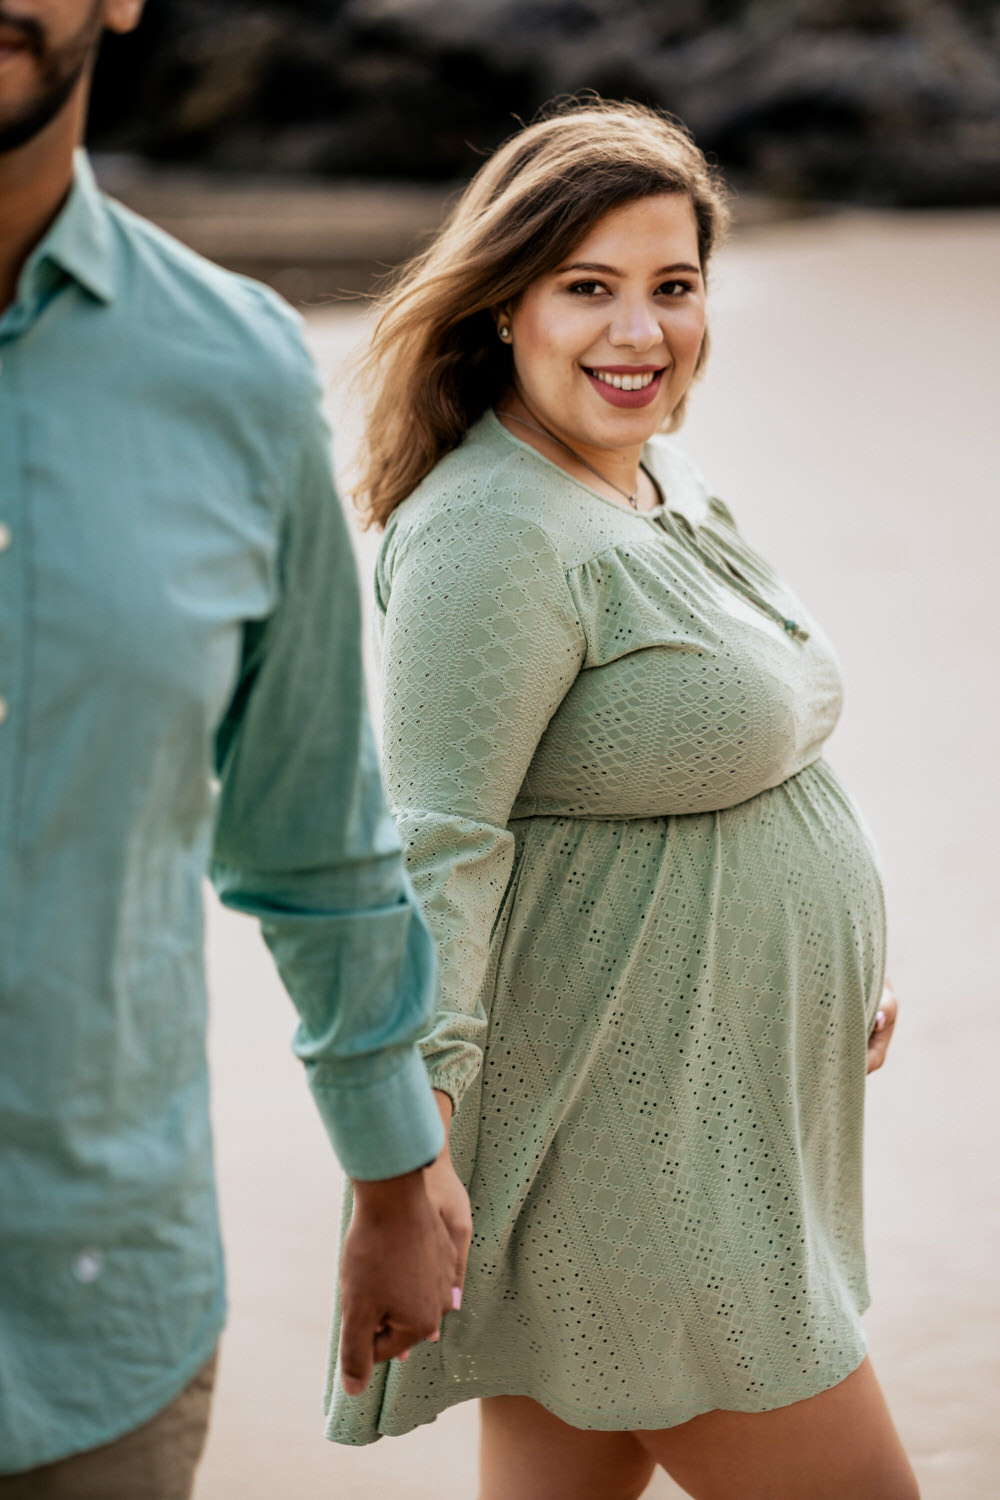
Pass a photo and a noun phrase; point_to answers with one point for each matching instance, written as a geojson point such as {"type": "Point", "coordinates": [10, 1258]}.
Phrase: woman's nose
{"type": "Point", "coordinates": [634, 326]}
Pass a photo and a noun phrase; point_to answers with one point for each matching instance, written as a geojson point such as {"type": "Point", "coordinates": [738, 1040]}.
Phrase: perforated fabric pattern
{"type": "Point", "coordinates": [660, 931]}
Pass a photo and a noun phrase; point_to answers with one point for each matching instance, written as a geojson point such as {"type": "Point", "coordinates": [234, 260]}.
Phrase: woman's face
{"type": "Point", "coordinates": [605, 346]}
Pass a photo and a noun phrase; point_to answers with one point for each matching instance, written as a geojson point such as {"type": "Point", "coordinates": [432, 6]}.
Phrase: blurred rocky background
{"type": "Point", "coordinates": [879, 102]}
{"type": "Point", "coordinates": [882, 101]}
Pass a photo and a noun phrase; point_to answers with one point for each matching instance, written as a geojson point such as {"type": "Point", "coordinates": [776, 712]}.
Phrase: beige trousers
{"type": "Point", "coordinates": [153, 1462]}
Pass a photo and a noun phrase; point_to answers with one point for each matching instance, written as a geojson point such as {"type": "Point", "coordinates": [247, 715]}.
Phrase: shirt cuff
{"type": "Point", "coordinates": [384, 1128]}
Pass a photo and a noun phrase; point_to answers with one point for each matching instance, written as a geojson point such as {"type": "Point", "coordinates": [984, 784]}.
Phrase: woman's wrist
{"type": "Point", "coordinates": [446, 1108]}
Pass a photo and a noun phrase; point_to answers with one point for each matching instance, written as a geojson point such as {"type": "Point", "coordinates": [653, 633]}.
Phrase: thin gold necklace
{"type": "Point", "coordinates": [632, 499]}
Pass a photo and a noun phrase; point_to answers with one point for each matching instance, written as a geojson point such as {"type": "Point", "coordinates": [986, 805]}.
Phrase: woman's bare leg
{"type": "Point", "coordinates": [528, 1454]}
{"type": "Point", "coordinates": [840, 1445]}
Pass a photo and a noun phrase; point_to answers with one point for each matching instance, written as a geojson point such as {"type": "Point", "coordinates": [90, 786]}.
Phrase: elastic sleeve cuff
{"type": "Point", "coordinates": [384, 1128]}
{"type": "Point", "coordinates": [453, 1068]}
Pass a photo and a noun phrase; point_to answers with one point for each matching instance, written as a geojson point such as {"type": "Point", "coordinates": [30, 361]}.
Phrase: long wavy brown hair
{"type": "Point", "coordinates": [435, 363]}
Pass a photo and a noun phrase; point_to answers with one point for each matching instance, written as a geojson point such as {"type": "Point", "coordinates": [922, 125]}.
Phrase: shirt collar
{"type": "Point", "coordinates": [79, 242]}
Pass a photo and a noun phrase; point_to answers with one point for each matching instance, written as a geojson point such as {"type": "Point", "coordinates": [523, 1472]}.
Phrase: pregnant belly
{"type": "Point", "coordinates": [672, 1090]}
{"type": "Point", "coordinates": [672, 948]}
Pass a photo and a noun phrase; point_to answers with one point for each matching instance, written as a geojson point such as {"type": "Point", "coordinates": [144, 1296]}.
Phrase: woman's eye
{"type": "Point", "coordinates": [585, 288]}
{"type": "Point", "coordinates": [674, 288]}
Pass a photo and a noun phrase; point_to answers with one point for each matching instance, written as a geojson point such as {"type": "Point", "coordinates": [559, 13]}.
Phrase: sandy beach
{"type": "Point", "coordinates": [849, 418]}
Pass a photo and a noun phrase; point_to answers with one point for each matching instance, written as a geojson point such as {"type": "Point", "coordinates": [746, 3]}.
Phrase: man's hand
{"type": "Point", "coordinates": [885, 1021]}
{"type": "Point", "coordinates": [396, 1275]}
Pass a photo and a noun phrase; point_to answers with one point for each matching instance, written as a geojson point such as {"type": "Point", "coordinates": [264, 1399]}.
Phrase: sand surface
{"type": "Point", "coordinates": [850, 417]}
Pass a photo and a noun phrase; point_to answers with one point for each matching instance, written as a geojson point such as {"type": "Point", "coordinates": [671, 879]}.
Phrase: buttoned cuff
{"type": "Point", "coordinates": [384, 1128]}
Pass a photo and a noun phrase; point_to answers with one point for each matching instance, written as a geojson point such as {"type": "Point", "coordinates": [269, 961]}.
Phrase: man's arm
{"type": "Point", "coordinates": [304, 842]}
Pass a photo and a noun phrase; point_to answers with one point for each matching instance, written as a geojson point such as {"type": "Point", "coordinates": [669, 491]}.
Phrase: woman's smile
{"type": "Point", "coordinates": [626, 385]}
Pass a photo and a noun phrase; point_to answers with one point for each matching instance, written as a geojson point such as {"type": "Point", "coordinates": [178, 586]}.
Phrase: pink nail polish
{"type": "Point", "coordinates": [456, 1298]}
{"type": "Point", "coordinates": [432, 1338]}
{"type": "Point", "coordinates": [405, 1354]}
{"type": "Point", "coordinates": [880, 1020]}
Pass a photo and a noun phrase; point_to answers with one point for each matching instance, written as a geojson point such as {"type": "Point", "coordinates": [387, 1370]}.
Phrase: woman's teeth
{"type": "Point", "coordinates": [626, 382]}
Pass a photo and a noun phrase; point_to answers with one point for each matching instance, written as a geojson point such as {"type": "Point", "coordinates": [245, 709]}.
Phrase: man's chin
{"type": "Point", "coordinates": [20, 126]}
{"type": "Point", "coordinates": [51, 75]}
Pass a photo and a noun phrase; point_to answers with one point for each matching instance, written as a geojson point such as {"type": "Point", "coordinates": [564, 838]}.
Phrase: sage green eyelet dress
{"type": "Point", "coordinates": [660, 927]}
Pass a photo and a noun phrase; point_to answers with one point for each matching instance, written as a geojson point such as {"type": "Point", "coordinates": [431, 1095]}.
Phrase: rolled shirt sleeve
{"type": "Point", "coordinates": [305, 844]}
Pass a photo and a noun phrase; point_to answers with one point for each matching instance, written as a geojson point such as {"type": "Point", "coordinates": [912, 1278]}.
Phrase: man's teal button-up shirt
{"type": "Point", "coordinates": [177, 601]}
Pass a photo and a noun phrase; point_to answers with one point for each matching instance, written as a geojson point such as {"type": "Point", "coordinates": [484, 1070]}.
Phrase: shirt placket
{"type": "Point", "coordinates": [14, 622]}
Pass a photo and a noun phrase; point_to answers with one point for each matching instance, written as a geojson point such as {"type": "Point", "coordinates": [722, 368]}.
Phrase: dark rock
{"type": "Point", "coordinates": [884, 101]}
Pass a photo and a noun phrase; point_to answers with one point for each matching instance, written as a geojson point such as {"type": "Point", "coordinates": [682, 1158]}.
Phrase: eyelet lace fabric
{"type": "Point", "coordinates": [660, 928]}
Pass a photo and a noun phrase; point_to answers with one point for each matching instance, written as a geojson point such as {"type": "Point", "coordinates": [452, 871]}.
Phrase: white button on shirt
{"type": "Point", "coordinates": [5, 536]}
{"type": "Point", "coordinates": [88, 1266]}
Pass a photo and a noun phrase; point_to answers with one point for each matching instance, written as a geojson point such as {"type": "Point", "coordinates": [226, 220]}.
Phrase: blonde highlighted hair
{"type": "Point", "coordinates": [435, 363]}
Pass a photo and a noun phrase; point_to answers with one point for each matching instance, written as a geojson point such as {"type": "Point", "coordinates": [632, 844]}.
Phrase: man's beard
{"type": "Point", "coordinates": [60, 70]}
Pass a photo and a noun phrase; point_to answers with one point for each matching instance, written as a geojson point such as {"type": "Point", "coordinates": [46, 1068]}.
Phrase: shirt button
{"type": "Point", "coordinates": [6, 536]}
{"type": "Point", "coordinates": [88, 1265]}
{"type": "Point", "coordinates": [4, 709]}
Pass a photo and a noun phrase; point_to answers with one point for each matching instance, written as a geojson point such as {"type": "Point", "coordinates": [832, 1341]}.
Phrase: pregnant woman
{"type": "Point", "coordinates": [658, 913]}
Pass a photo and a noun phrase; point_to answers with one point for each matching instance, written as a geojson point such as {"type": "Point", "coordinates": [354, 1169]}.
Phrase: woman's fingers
{"type": "Point", "coordinates": [451, 1200]}
{"type": "Point", "coordinates": [458, 1221]}
{"type": "Point", "coordinates": [881, 1035]}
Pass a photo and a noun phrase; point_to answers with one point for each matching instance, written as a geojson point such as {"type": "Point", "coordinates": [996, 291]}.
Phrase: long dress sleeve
{"type": "Point", "coordinates": [480, 642]}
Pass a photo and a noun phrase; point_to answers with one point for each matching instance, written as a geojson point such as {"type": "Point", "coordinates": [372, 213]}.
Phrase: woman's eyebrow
{"type": "Point", "coordinates": [586, 265]}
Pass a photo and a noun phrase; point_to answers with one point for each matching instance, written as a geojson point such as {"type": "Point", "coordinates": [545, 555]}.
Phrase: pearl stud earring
{"type": "Point", "coordinates": [504, 331]}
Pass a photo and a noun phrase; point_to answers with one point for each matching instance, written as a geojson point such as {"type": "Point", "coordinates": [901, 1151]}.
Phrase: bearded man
{"type": "Point", "coordinates": [177, 602]}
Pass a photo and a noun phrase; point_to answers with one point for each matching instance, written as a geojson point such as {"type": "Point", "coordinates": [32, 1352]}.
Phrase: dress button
{"type": "Point", "coordinates": [6, 536]}
{"type": "Point", "coordinates": [4, 709]}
